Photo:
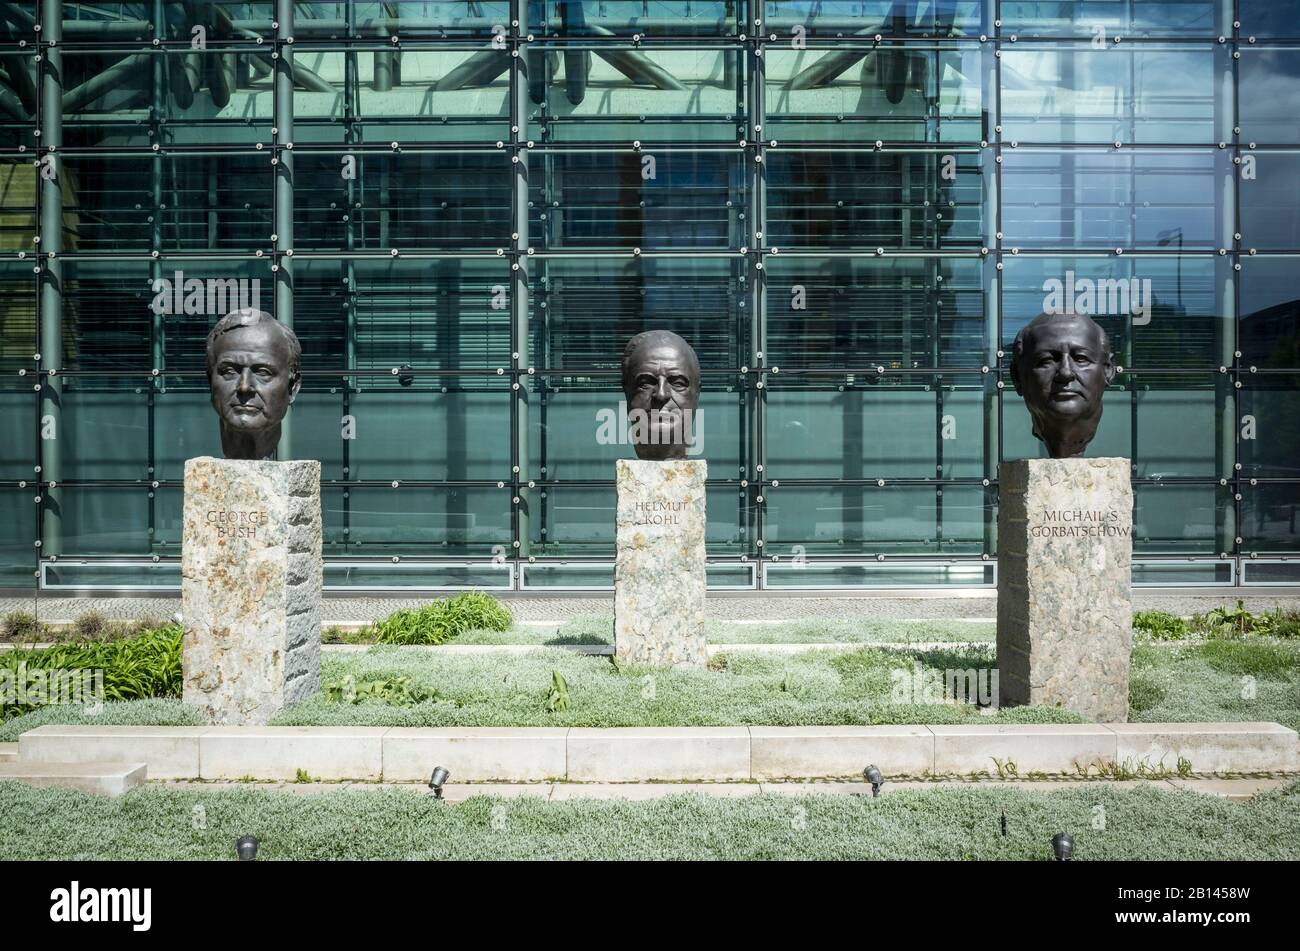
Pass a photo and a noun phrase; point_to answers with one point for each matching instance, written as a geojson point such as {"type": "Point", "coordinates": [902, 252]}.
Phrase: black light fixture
{"type": "Point", "coordinates": [246, 848]}
{"type": "Point", "coordinates": [872, 775]}
{"type": "Point", "coordinates": [1004, 822]}
{"type": "Point", "coordinates": [1063, 846]}
{"type": "Point", "coordinates": [405, 375]}
{"type": "Point", "coordinates": [440, 776]}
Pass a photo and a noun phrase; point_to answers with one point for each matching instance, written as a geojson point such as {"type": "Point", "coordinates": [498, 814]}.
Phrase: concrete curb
{"type": "Point", "coordinates": [673, 754]}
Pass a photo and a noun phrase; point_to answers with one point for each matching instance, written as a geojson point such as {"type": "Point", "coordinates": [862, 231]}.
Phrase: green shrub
{"type": "Point", "coordinates": [90, 625]}
{"type": "Point", "coordinates": [422, 625]}
{"type": "Point", "coordinates": [557, 698]}
{"type": "Point", "coordinates": [1278, 623]}
{"type": "Point", "coordinates": [18, 626]}
{"type": "Point", "coordinates": [394, 691]}
{"type": "Point", "coordinates": [439, 621]}
{"type": "Point", "coordinates": [148, 665]}
{"type": "Point", "coordinates": [1225, 622]}
{"type": "Point", "coordinates": [475, 610]}
{"type": "Point", "coordinates": [1161, 625]}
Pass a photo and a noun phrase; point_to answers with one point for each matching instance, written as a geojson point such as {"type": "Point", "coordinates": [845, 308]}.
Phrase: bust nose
{"type": "Point", "coordinates": [1065, 371]}
{"type": "Point", "coordinates": [661, 389]}
{"type": "Point", "coordinates": [244, 387]}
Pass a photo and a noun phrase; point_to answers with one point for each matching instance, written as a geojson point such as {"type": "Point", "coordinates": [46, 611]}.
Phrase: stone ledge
{"type": "Point", "coordinates": [642, 754]}
{"type": "Point", "coordinates": [98, 778]}
{"type": "Point", "coordinates": [636, 754]}
{"type": "Point", "coordinates": [475, 754]}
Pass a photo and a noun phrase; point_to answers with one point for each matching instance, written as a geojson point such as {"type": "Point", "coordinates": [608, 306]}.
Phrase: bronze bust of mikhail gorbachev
{"type": "Point", "coordinates": [1061, 365]}
{"type": "Point", "coordinates": [661, 383]}
{"type": "Point", "coordinates": [254, 366]}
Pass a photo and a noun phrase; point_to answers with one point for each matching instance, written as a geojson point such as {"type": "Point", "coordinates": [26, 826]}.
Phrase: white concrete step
{"type": "Point", "coordinates": [98, 777]}
{"type": "Point", "coordinates": [8, 751]}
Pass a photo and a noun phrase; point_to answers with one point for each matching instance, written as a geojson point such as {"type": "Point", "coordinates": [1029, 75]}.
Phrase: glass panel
{"type": "Point", "coordinates": [339, 19]}
{"type": "Point", "coordinates": [891, 92]}
{"type": "Point", "coordinates": [449, 428]}
{"type": "Point", "coordinates": [865, 200]}
{"type": "Point", "coordinates": [18, 100]}
{"type": "Point", "coordinates": [416, 520]}
{"type": "Point", "coordinates": [19, 408]}
{"type": "Point", "coordinates": [1159, 312]}
{"type": "Point", "coordinates": [441, 95]}
{"type": "Point", "coordinates": [118, 520]}
{"type": "Point", "coordinates": [925, 18]}
{"type": "Point", "coordinates": [1268, 517]}
{"type": "Point", "coordinates": [138, 315]}
{"type": "Point", "coordinates": [1128, 199]}
{"type": "Point", "coordinates": [171, 97]}
{"type": "Point", "coordinates": [1269, 90]}
{"type": "Point", "coordinates": [923, 429]}
{"type": "Point", "coordinates": [17, 537]}
{"type": "Point", "coordinates": [18, 188]}
{"type": "Point", "coordinates": [127, 203]}
{"type": "Point", "coordinates": [1270, 438]}
{"type": "Point", "coordinates": [1270, 312]}
{"type": "Point", "coordinates": [584, 310]}
{"type": "Point", "coordinates": [1267, 18]}
{"type": "Point", "coordinates": [603, 93]}
{"type": "Point", "coordinates": [1129, 94]}
{"type": "Point", "coordinates": [1105, 19]}
{"type": "Point", "coordinates": [677, 200]}
{"type": "Point", "coordinates": [224, 20]}
{"type": "Point", "coordinates": [688, 18]}
{"type": "Point", "coordinates": [854, 520]}
{"type": "Point", "coordinates": [17, 313]}
{"type": "Point", "coordinates": [441, 314]}
{"type": "Point", "coordinates": [863, 312]}
{"type": "Point", "coordinates": [20, 21]}
{"type": "Point", "coordinates": [1176, 519]}
{"type": "Point", "coordinates": [578, 428]}
{"type": "Point", "coordinates": [408, 201]}
{"type": "Point", "coordinates": [1270, 200]}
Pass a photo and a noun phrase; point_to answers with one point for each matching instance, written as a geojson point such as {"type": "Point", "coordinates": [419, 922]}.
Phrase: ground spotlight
{"type": "Point", "coordinates": [436, 781]}
{"type": "Point", "coordinates": [246, 848]}
{"type": "Point", "coordinates": [1004, 822]}
{"type": "Point", "coordinates": [1063, 846]}
{"type": "Point", "coordinates": [872, 775]}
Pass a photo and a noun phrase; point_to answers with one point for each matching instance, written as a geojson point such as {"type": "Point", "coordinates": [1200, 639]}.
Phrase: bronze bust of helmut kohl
{"type": "Point", "coordinates": [1061, 364]}
{"type": "Point", "coordinates": [661, 382]}
{"type": "Point", "coordinates": [254, 367]}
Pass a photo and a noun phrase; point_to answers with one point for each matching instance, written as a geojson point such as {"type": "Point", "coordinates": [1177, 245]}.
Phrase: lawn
{"type": "Point", "coordinates": [1212, 680]}
{"type": "Point", "coordinates": [157, 822]}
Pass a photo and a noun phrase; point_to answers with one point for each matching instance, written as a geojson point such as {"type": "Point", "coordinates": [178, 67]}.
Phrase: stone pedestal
{"type": "Point", "coordinates": [1065, 618]}
{"type": "Point", "coordinates": [251, 586]}
{"type": "Point", "coordinates": [659, 573]}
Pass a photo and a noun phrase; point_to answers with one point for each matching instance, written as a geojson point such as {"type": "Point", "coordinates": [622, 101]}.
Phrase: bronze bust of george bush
{"type": "Point", "coordinates": [254, 373]}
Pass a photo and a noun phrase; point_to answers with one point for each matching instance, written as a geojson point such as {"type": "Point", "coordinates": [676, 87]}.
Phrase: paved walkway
{"type": "Point", "coordinates": [775, 607]}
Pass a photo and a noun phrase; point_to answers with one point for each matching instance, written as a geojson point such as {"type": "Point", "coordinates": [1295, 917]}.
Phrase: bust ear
{"type": "Point", "coordinates": [294, 386]}
{"type": "Point", "coordinates": [1110, 368]}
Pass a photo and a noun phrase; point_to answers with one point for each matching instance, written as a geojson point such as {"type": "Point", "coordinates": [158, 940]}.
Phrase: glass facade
{"type": "Point", "coordinates": [464, 209]}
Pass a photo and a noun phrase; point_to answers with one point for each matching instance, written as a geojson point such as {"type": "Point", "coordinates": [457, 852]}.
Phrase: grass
{"type": "Point", "coordinates": [1216, 680]}
{"type": "Point", "coordinates": [598, 629]}
{"type": "Point", "coordinates": [936, 824]}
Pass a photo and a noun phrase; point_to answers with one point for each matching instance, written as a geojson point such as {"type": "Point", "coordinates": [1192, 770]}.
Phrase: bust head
{"type": "Point", "coordinates": [254, 365]}
{"type": "Point", "coordinates": [1061, 364]}
{"type": "Point", "coordinates": [661, 382]}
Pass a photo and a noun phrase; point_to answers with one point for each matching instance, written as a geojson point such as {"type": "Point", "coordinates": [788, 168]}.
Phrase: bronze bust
{"type": "Point", "coordinates": [661, 382]}
{"type": "Point", "coordinates": [254, 373]}
{"type": "Point", "coordinates": [1061, 364]}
